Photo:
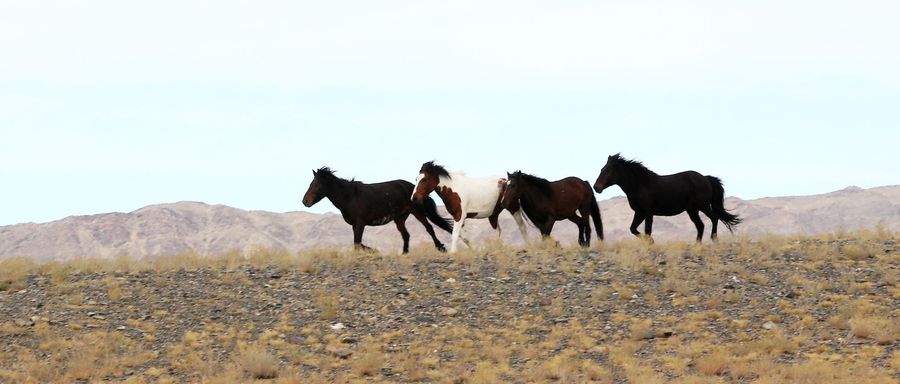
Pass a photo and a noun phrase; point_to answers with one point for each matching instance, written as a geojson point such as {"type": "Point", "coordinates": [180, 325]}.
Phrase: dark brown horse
{"type": "Point", "coordinates": [374, 204]}
{"type": "Point", "coordinates": [546, 202]}
{"type": "Point", "coordinates": [651, 194]}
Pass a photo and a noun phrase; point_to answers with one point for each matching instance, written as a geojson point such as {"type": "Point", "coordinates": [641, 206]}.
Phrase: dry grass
{"type": "Point", "coordinates": [856, 252]}
{"type": "Point", "coordinates": [328, 305]}
{"type": "Point", "coordinates": [258, 363]}
{"type": "Point", "coordinates": [543, 314]}
{"type": "Point", "coordinates": [641, 329]}
{"type": "Point", "coordinates": [882, 330]}
{"type": "Point", "coordinates": [713, 364]}
{"type": "Point", "coordinates": [369, 363]}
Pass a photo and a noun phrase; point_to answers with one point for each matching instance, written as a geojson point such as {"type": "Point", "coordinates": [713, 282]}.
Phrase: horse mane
{"type": "Point", "coordinates": [542, 185]}
{"type": "Point", "coordinates": [431, 167]}
{"type": "Point", "coordinates": [633, 167]}
{"type": "Point", "coordinates": [325, 170]}
{"type": "Point", "coordinates": [328, 174]}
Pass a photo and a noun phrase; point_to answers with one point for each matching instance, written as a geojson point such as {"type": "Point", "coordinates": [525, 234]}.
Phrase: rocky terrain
{"type": "Point", "coordinates": [801, 310]}
{"type": "Point", "coordinates": [186, 227]}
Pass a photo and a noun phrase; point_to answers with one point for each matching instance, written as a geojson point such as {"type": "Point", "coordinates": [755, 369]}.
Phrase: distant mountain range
{"type": "Point", "coordinates": [168, 229]}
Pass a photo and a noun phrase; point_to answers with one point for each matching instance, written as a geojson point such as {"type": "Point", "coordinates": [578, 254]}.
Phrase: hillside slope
{"type": "Point", "coordinates": [168, 229]}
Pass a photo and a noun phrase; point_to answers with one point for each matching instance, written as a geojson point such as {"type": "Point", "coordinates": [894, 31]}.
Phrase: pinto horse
{"type": "Point", "coordinates": [546, 202]}
{"type": "Point", "coordinates": [374, 204]}
{"type": "Point", "coordinates": [651, 194]}
{"type": "Point", "coordinates": [465, 198]}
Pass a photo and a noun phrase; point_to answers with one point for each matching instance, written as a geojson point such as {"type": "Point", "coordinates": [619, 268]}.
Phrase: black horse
{"type": "Point", "coordinates": [546, 202]}
{"type": "Point", "coordinates": [651, 194]}
{"type": "Point", "coordinates": [374, 204]}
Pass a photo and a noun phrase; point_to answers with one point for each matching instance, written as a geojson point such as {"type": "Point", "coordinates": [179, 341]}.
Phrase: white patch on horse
{"type": "Point", "coordinates": [383, 220]}
{"type": "Point", "coordinates": [478, 196]}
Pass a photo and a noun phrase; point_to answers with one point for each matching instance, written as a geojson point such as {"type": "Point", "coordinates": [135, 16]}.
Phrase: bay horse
{"type": "Point", "coordinates": [465, 198]}
{"type": "Point", "coordinates": [375, 204]}
{"type": "Point", "coordinates": [545, 203]}
{"type": "Point", "coordinates": [651, 194]}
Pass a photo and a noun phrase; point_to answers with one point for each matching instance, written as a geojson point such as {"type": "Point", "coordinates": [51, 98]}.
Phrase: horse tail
{"type": "Point", "coordinates": [718, 204]}
{"type": "Point", "coordinates": [430, 209]}
{"type": "Point", "coordinates": [595, 212]}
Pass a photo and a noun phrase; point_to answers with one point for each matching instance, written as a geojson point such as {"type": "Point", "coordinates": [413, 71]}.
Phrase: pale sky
{"type": "Point", "coordinates": [114, 105]}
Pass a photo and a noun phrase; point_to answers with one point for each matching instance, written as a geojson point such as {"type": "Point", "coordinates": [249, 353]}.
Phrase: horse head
{"type": "Point", "coordinates": [318, 188]}
{"type": "Point", "coordinates": [509, 198]}
{"type": "Point", "coordinates": [428, 180]}
{"type": "Point", "coordinates": [607, 175]}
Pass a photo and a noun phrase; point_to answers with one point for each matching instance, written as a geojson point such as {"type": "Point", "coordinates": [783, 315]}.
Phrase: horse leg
{"type": "Point", "coordinates": [463, 238]}
{"type": "Point", "coordinates": [580, 230]}
{"type": "Point", "coordinates": [711, 214]}
{"type": "Point", "coordinates": [586, 219]}
{"type": "Point", "coordinates": [638, 218]}
{"type": "Point", "coordinates": [695, 217]}
{"type": "Point", "coordinates": [582, 241]}
{"type": "Point", "coordinates": [648, 227]}
{"type": "Point", "coordinates": [495, 224]}
{"type": "Point", "coordinates": [401, 226]}
{"type": "Point", "coordinates": [580, 224]}
{"type": "Point", "coordinates": [457, 231]}
{"type": "Point", "coordinates": [357, 237]}
{"type": "Point", "coordinates": [546, 228]}
{"type": "Point", "coordinates": [521, 223]}
{"type": "Point", "coordinates": [424, 220]}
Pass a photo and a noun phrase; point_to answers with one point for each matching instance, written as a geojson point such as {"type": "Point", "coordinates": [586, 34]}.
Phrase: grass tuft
{"type": "Point", "coordinates": [258, 363]}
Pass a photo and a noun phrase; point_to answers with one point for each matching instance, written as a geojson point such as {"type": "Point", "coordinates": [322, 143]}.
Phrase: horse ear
{"type": "Point", "coordinates": [314, 172]}
{"type": "Point", "coordinates": [508, 175]}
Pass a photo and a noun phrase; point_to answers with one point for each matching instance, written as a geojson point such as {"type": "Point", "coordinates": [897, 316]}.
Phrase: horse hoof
{"type": "Point", "coordinates": [366, 249]}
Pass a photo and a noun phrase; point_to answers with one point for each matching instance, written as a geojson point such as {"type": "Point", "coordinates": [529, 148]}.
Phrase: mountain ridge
{"type": "Point", "coordinates": [192, 226]}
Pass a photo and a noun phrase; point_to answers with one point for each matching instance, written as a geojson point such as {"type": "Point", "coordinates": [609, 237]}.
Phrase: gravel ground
{"type": "Point", "coordinates": [628, 309]}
